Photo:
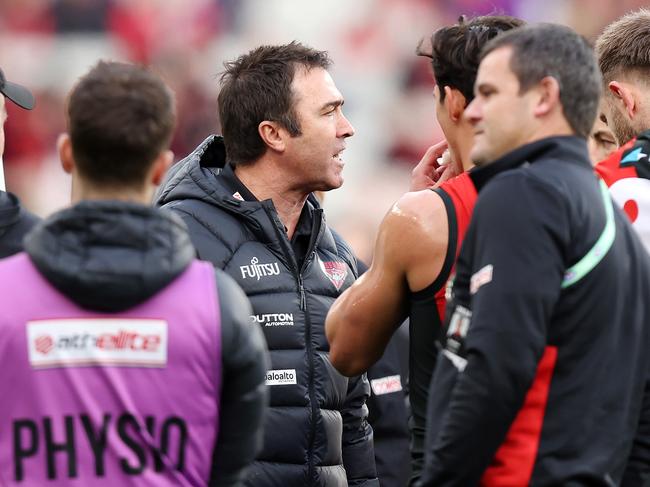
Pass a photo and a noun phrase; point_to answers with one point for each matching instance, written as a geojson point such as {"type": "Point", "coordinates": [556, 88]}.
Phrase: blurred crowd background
{"type": "Point", "coordinates": [47, 44]}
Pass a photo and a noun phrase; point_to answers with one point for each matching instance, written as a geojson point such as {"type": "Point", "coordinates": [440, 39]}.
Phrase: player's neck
{"type": "Point", "coordinates": [461, 147]}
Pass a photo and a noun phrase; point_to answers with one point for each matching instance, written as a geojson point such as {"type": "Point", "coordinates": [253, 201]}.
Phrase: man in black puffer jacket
{"type": "Point", "coordinates": [251, 214]}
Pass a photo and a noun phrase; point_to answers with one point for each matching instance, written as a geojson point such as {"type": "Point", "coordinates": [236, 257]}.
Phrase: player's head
{"type": "Point", "coordinates": [120, 121]}
{"type": "Point", "coordinates": [533, 82]}
{"type": "Point", "coordinates": [623, 51]}
{"type": "Point", "coordinates": [455, 54]}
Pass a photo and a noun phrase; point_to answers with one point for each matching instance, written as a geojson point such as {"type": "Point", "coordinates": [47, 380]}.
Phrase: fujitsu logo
{"type": "Point", "coordinates": [258, 271]}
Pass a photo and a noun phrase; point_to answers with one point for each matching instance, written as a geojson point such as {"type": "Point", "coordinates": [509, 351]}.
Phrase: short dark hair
{"type": "Point", "coordinates": [624, 45]}
{"type": "Point", "coordinates": [455, 50]}
{"type": "Point", "coordinates": [555, 50]}
{"type": "Point", "coordinates": [257, 87]}
{"type": "Point", "coordinates": [120, 118]}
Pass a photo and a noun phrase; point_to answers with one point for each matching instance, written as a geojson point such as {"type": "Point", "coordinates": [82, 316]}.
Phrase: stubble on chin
{"type": "Point", "coordinates": [622, 127]}
{"type": "Point", "coordinates": [479, 158]}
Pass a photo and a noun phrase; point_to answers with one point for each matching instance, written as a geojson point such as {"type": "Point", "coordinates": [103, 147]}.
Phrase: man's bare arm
{"type": "Point", "coordinates": [409, 253]}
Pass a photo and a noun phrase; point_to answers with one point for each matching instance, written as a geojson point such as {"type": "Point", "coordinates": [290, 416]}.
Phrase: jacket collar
{"type": "Point", "coordinates": [571, 149]}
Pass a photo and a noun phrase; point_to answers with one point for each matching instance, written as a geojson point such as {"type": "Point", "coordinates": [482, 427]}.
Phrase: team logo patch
{"type": "Point", "coordinates": [633, 156]}
{"type": "Point", "coordinates": [281, 377]}
{"type": "Point", "coordinates": [386, 385]}
{"type": "Point", "coordinates": [97, 341]}
{"type": "Point", "coordinates": [336, 272]}
{"type": "Point", "coordinates": [457, 329]}
{"type": "Point", "coordinates": [480, 278]}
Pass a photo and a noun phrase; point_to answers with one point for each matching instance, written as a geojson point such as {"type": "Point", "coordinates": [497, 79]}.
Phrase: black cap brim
{"type": "Point", "coordinates": [20, 95]}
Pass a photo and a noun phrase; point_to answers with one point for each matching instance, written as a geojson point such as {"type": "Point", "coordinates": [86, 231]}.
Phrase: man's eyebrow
{"type": "Point", "coordinates": [333, 104]}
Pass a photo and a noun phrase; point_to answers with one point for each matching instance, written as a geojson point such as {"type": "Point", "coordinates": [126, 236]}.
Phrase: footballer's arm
{"type": "Point", "coordinates": [409, 253]}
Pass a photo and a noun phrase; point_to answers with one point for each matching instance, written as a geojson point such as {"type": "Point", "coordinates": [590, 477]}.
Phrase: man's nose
{"type": "Point", "coordinates": [345, 127]}
{"type": "Point", "coordinates": [473, 111]}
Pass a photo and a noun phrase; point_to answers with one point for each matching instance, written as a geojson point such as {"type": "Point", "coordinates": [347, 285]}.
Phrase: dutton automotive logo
{"type": "Point", "coordinates": [97, 341]}
{"type": "Point", "coordinates": [257, 271]}
{"type": "Point", "coordinates": [274, 319]}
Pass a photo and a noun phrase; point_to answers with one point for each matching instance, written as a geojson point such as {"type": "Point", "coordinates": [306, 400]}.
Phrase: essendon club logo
{"type": "Point", "coordinates": [336, 272]}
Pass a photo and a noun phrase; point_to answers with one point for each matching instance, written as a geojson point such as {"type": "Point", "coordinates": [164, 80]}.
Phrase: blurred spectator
{"type": "Point", "coordinates": [80, 15]}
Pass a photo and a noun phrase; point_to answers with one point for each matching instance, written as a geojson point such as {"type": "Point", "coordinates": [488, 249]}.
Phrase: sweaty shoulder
{"type": "Point", "coordinates": [415, 232]}
{"type": "Point", "coordinates": [417, 212]}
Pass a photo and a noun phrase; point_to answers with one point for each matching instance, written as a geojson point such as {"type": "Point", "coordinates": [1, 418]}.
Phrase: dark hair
{"type": "Point", "coordinates": [624, 45]}
{"type": "Point", "coordinates": [555, 50]}
{"type": "Point", "coordinates": [455, 50]}
{"type": "Point", "coordinates": [120, 118]}
{"type": "Point", "coordinates": [257, 87]}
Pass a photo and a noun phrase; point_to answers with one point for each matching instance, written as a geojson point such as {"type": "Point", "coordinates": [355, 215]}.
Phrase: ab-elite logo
{"type": "Point", "coordinates": [97, 341]}
{"type": "Point", "coordinates": [386, 385]}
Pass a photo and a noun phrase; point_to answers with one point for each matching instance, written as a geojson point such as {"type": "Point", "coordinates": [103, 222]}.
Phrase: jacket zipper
{"type": "Point", "coordinates": [310, 349]}
{"type": "Point", "coordinates": [297, 273]}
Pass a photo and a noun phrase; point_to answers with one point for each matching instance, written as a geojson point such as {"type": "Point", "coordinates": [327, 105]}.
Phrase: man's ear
{"type": "Point", "coordinates": [455, 103]}
{"type": "Point", "coordinates": [623, 94]}
{"type": "Point", "coordinates": [64, 148]}
{"type": "Point", "coordinates": [273, 135]}
{"type": "Point", "coordinates": [548, 96]}
{"type": "Point", "coordinates": [160, 166]}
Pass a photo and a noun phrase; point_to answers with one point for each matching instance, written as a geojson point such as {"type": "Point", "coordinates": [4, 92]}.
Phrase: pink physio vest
{"type": "Point", "coordinates": [92, 398]}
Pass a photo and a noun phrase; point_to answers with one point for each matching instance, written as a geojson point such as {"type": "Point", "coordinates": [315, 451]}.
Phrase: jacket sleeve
{"type": "Point", "coordinates": [517, 264]}
{"type": "Point", "coordinates": [388, 417]}
{"type": "Point", "coordinates": [637, 471]}
{"type": "Point", "coordinates": [358, 450]}
{"type": "Point", "coordinates": [244, 395]}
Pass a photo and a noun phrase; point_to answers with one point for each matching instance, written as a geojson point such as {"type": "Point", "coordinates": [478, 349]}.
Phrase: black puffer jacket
{"type": "Point", "coordinates": [15, 222]}
{"type": "Point", "coordinates": [316, 431]}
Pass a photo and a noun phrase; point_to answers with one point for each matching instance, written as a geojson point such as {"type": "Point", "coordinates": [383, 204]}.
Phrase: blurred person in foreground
{"type": "Point", "coordinates": [15, 221]}
{"type": "Point", "coordinates": [247, 201]}
{"type": "Point", "coordinates": [420, 237]}
{"type": "Point", "coordinates": [543, 376]}
{"type": "Point", "coordinates": [129, 362]}
{"type": "Point", "coordinates": [623, 51]}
